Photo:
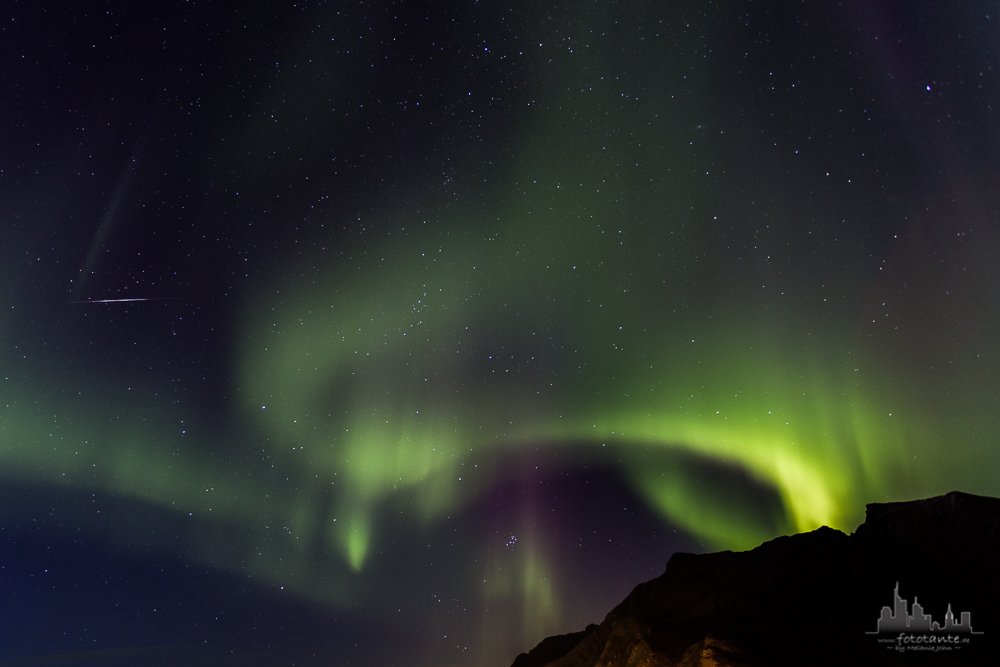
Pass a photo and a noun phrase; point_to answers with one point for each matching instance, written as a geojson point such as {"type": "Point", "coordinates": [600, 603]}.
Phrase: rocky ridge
{"type": "Point", "coordinates": [812, 599]}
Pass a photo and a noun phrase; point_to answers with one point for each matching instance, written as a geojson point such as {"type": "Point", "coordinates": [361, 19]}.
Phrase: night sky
{"type": "Point", "coordinates": [411, 333]}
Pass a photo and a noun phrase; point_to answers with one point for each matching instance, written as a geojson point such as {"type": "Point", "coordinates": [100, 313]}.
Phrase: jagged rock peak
{"type": "Point", "coordinates": [808, 599]}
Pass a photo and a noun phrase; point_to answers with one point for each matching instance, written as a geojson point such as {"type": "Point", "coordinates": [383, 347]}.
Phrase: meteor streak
{"type": "Point", "coordinates": [161, 298]}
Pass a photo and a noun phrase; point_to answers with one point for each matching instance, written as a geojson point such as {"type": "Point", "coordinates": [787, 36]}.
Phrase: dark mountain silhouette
{"type": "Point", "coordinates": [814, 598]}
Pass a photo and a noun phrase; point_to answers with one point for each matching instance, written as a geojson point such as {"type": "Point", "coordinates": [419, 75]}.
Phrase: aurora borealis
{"type": "Point", "coordinates": [468, 315]}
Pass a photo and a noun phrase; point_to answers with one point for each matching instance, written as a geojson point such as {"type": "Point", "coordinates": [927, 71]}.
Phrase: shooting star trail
{"type": "Point", "coordinates": [161, 298]}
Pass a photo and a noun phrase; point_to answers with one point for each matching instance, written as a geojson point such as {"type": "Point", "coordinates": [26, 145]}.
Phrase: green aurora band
{"type": "Point", "coordinates": [663, 323]}
{"type": "Point", "coordinates": [375, 380]}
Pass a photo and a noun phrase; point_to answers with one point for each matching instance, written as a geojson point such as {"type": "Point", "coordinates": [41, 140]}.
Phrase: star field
{"type": "Point", "coordinates": [412, 333]}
